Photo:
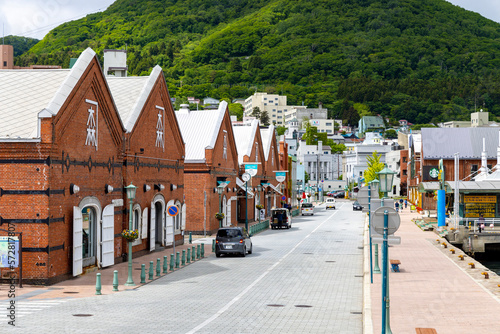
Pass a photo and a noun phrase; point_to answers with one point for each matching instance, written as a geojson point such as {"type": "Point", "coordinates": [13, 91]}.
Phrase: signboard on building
{"type": "Point", "coordinates": [9, 252]}
{"type": "Point", "coordinates": [251, 169]}
{"type": "Point", "coordinates": [430, 173]}
{"type": "Point", "coordinates": [475, 205]}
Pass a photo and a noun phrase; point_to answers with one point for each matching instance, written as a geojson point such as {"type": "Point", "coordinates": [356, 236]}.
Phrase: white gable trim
{"type": "Point", "coordinates": [71, 80]}
{"type": "Point", "coordinates": [221, 111]}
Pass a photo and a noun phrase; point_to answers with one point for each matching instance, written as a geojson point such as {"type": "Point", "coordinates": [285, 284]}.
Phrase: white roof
{"type": "Point", "coordinates": [199, 129]}
{"type": "Point", "coordinates": [244, 137]}
{"type": "Point", "coordinates": [130, 95]}
{"type": "Point", "coordinates": [25, 93]}
{"type": "Point", "coordinates": [267, 137]}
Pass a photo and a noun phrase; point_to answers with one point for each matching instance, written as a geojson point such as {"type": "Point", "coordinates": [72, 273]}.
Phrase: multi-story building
{"type": "Point", "coordinates": [274, 104]}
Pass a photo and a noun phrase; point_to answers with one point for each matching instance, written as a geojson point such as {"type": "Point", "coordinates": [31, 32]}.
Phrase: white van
{"type": "Point", "coordinates": [330, 203]}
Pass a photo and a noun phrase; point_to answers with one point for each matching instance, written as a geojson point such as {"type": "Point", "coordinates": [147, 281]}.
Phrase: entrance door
{"type": "Point", "coordinates": [159, 214]}
{"type": "Point", "coordinates": [89, 236]}
{"type": "Point", "coordinates": [108, 236]}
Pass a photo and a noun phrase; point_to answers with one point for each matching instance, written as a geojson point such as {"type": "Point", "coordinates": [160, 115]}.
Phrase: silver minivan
{"type": "Point", "coordinates": [280, 218]}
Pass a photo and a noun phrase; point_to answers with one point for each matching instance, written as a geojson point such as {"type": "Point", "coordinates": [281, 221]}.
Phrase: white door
{"type": "Point", "coordinates": [144, 227]}
{"type": "Point", "coordinates": [77, 241]}
{"type": "Point", "coordinates": [108, 236]}
{"type": "Point", "coordinates": [228, 212]}
{"type": "Point", "coordinates": [183, 227]}
{"type": "Point", "coordinates": [152, 235]}
{"type": "Point", "coordinates": [169, 226]}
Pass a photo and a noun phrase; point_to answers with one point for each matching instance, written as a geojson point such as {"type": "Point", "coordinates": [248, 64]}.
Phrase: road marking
{"type": "Point", "coordinates": [249, 287]}
{"type": "Point", "coordinates": [26, 307]}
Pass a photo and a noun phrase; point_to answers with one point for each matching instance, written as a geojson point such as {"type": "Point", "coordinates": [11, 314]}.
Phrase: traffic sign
{"type": "Point", "coordinates": [283, 198]}
{"type": "Point", "coordinates": [172, 211]}
{"type": "Point", "coordinates": [378, 220]}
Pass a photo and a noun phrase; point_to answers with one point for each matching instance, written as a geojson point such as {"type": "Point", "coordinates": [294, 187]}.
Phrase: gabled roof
{"type": "Point", "coordinates": [373, 121]}
{"type": "Point", "coordinates": [244, 137]}
{"type": "Point", "coordinates": [443, 143]}
{"type": "Point", "coordinates": [25, 93]}
{"type": "Point", "coordinates": [267, 138]}
{"type": "Point", "coordinates": [130, 95]}
{"type": "Point", "coordinates": [199, 129]}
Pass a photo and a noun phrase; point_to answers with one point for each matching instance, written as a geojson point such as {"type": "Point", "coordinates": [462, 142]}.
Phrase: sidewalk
{"type": "Point", "coordinates": [435, 289]}
{"type": "Point", "coordinates": [84, 285]}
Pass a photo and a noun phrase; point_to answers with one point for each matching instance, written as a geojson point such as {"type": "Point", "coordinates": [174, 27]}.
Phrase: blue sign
{"type": "Point", "coordinates": [280, 176]}
{"type": "Point", "coordinates": [172, 210]}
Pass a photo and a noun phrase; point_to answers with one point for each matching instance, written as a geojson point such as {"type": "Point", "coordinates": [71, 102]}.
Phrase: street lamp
{"type": "Point", "coordinates": [373, 187]}
{"type": "Point", "coordinates": [386, 177]}
{"type": "Point", "coordinates": [220, 190]}
{"type": "Point", "coordinates": [130, 195]}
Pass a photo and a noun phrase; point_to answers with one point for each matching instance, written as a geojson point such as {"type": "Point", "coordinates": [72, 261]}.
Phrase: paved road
{"type": "Point", "coordinates": [304, 280]}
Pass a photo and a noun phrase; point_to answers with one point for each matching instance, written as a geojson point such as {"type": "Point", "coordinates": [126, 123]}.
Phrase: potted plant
{"type": "Point", "coordinates": [219, 215]}
{"type": "Point", "coordinates": [130, 235]}
{"type": "Point", "coordinates": [259, 206]}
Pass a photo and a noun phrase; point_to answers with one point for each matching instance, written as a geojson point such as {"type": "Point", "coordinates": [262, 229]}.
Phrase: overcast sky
{"type": "Point", "coordinates": [35, 18]}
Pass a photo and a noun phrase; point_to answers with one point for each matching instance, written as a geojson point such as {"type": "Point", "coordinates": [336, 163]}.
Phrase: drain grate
{"type": "Point", "coordinates": [358, 275]}
{"type": "Point", "coordinates": [304, 306]}
{"type": "Point", "coordinates": [308, 253]}
{"type": "Point", "coordinates": [338, 241]}
{"type": "Point", "coordinates": [275, 305]}
{"type": "Point", "coordinates": [71, 292]}
{"type": "Point", "coordinates": [137, 268]}
{"type": "Point", "coordinates": [356, 312]}
{"type": "Point", "coordinates": [330, 261]}
{"type": "Point", "coordinates": [83, 315]}
{"type": "Point", "coordinates": [360, 247]}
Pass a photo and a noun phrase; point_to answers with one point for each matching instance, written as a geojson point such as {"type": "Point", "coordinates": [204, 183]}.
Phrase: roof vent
{"type": "Point", "coordinates": [184, 108]}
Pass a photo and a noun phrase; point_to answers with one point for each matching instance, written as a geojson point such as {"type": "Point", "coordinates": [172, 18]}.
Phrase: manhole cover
{"type": "Point", "coordinates": [356, 312]}
{"type": "Point", "coordinates": [83, 315]}
{"type": "Point", "coordinates": [275, 305]}
{"type": "Point", "coordinates": [338, 241]}
{"type": "Point", "coordinates": [360, 247]}
{"type": "Point", "coordinates": [358, 275]}
{"type": "Point", "coordinates": [71, 292]}
{"type": "Point", "coordinates": [303, 306]}
{"type": "Point", "coordinates": [307, 253]}
{"type": "Point", "coordinates": [329, 261]}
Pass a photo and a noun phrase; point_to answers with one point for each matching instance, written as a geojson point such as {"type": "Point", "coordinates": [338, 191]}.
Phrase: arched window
{"type": "Point", "coordinates": [137, 222]}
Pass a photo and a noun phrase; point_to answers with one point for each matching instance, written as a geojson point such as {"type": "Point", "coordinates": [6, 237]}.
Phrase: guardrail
{"type": "Point", "coordinates": [256, 228]}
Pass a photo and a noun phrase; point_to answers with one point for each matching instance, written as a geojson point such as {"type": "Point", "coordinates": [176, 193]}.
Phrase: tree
{"type": "Point", "coordinates": [264, 118]}
{"type": "Point", "coordinates": [236, 109]}
{"type": "Point", "coordinates": [391, 133]}
{"type": "Point", "coordinates": [280, 130]}
{"type": "Point", "coordinates": [255, 112]}
{"type": "Point", "coordinates": [374, 166]}
{"type": "Point", "coordinates": [306, 177]}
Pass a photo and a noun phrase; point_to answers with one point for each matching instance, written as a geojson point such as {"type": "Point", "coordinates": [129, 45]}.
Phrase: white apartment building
{"type": "Point", "coordinates": [274, 104]}
{"type": "Point", "coordinates": [325, 125]}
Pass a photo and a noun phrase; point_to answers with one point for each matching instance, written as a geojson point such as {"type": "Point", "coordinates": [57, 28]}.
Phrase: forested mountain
{"type": "Point", "coordinates": [423, 60]}
{"type": "Point", "coordinates": [20, 44]}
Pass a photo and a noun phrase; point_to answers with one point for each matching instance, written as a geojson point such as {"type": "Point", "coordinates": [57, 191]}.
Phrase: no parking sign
{"type": "Point", "coordinates": [172, 210]}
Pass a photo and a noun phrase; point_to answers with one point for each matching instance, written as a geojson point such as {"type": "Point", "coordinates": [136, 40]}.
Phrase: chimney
{"type": "Point", "coordinates": [484, 158]}
{"type": "Point", "coordinates": [184, 109]}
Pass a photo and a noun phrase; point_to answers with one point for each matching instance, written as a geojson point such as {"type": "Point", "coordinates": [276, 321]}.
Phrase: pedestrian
{"type": "Point", "coordinates": [480, 224]}
{"type": "Point", "coordinates": [401, 204]}
{"type": "Point", "coordinates": [406, 203]}
{"type": "Point", "coordinates": [396, 205]}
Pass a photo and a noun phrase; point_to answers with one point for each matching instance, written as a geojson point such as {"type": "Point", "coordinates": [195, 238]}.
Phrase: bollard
{"type": "Point", "coordinates": [158, 267]}
{"type": "Point", "coordinates": [213, 245]}
{"type": "Point", "coordinates": [172, 262]}
{"type": "Point", "coordinates": [115, 280]}
{"type": "Point", "coordinates": [197, 252]}
{"type": "Point", "coordinates": [150, 270]}
{"type": "Point", "coordinates": [177, 259]}
{"type": "Point", "coordinates": [188, 258]}
{"type": "Point", "coordinates": [202, 250]}
{"type": "Point", "coordinates": [190, 238]}
{"type": "Point", "coordinates": [165, 264]}
{"type": "Point", "coordinates": [193, 254]}
{"type": "Point", "coordinates": [143, 273]}
{"type": "Point", "coordinates": [98, 284]}
{"type": "Point", "coordinates": [183, 261]}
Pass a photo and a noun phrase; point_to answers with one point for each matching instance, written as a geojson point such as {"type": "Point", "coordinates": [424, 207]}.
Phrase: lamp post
{"type": "Point", "coordinates": [259, 189]}
{"type": "Point", "coordinates": [386, 177]}
{"type": "Point", "coordinates": [130, 195]}
{"type": "Point", "coordinates": [372, 186]}
{"type": "Point", "coordinates": [220, 189]}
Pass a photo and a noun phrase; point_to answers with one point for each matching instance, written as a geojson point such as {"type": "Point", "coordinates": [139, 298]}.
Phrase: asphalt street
{"type": "Point", "coordinates": [307, 279]}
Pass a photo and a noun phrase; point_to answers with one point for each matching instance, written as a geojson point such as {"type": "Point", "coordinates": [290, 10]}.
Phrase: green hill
{"type": "Point", "coordinates": [423, 60]}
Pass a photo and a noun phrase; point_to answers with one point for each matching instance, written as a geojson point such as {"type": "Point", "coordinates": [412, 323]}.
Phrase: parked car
{"type": "Point", "coordinates": [356, 206]}
{"type": "Point", "coordinates": [339, 194]}
{"type": "Point", "coordinates": [281, 217]}
{"type": "Point", "coordinates": [330, 203]}
{"type": "Point", "coordinates": [232, 240]}
{"type": "Point", "coordinates": [307, 209]}
{"type": "Point", "coordinates": [330, 193]}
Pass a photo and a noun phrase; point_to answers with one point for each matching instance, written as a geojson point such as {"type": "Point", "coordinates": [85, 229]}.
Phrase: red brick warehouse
{"type": "Point", "coordinates": [61, 168]}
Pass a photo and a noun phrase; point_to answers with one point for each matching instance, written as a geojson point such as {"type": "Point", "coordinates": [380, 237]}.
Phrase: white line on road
{"type": "Point", "coordinates": [238, 297]}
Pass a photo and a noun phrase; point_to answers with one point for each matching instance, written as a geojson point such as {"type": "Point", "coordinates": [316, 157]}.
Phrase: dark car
{"type": "Point", "coordinates": [356, 206]}
{"type": "Point", "coordinates": [339, 194]}
{"type": "Point", "coordinates": [232, 240]}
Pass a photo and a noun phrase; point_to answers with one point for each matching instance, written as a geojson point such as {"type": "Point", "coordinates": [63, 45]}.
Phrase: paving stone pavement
{"type": "Point", "coordinates": [307, 279]}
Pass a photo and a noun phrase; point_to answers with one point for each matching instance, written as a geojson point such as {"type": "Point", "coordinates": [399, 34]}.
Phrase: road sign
{"type": "Point", "coordinates": [378, 220]}
{"type": "Point", "coordinates": [246, 176]}
{"type": "Point", "coordinates": [280, 176]}
{"type": "Point", "coordinates": [172, 210]}
{"type": "Point", "coordinates": [283, 198]}
{"type": "Point", "coordinates": [391, 239]}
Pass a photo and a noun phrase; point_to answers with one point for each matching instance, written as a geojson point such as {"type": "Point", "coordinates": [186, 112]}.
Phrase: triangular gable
{"type": "Point", "coordinates": [226, 125]}
{"type": "Point", "coordinates": [85, 87]}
